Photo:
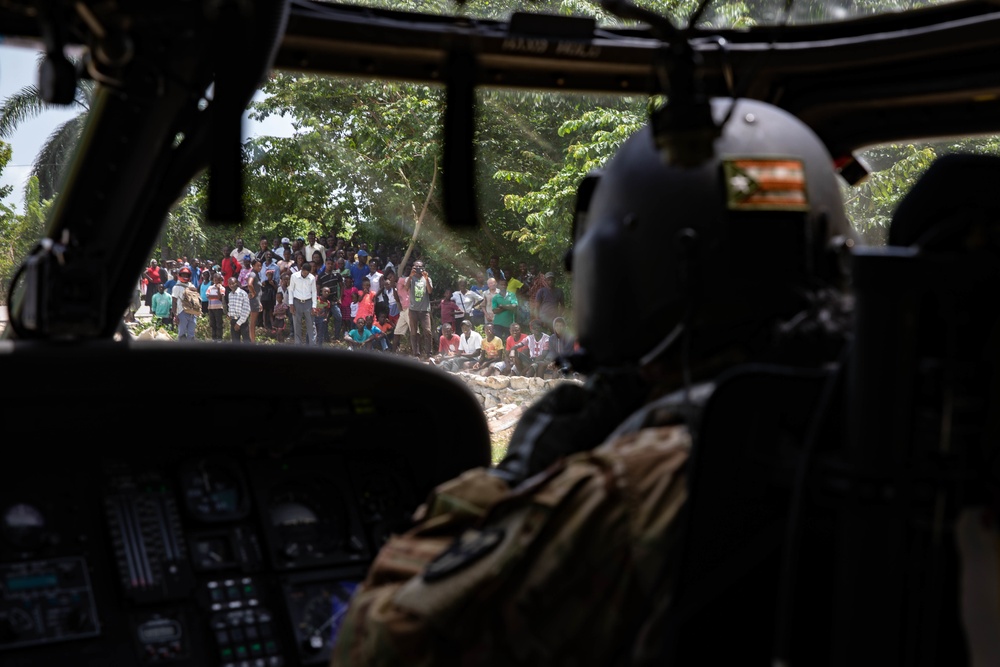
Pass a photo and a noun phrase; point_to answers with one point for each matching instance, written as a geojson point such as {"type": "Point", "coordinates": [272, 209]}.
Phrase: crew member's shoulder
{"type": "Point", "coordinates": [682, 407]}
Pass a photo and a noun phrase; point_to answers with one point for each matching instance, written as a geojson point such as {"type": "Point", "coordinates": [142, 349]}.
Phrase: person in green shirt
{"type": "Point", "coordinates": [504, 309]}
{"type": "Point", "coordinates": [161, 304]}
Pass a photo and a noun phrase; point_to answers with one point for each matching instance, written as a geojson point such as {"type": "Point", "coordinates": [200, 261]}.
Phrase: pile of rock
{"type": "Point", "coordinates": [504, 398]}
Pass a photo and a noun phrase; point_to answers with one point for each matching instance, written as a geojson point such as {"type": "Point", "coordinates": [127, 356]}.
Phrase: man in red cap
{"type": "Point", "coordinates": [185, 315]}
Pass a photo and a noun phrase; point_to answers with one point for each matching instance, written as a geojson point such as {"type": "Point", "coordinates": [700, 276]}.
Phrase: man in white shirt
{"type": "Point", "coordinates": [239, 252]}
{"type": "Point", "coordinates": [302, 300]}
{"type": "Point", "coordinates": [470, 349]}
{"type": "Point", "coordinates": [314, 246]}
{"type": "Point", "coordinates": [466, 300]}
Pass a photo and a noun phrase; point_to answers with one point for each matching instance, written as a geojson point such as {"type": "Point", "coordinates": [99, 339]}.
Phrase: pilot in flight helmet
{"type": "Point", "coordinates": [718, 250]}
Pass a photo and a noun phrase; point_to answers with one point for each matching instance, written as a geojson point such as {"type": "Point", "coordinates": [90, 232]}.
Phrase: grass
{"type": "Point", "coordinates": [498, 444]}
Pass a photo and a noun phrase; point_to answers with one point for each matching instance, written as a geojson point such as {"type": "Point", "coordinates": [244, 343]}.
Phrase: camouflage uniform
{"type": "Point", "coordinates": [563, 569]}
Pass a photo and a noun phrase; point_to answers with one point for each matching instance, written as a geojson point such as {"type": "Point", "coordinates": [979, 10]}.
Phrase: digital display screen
{"type": "Point", "coordinates": [339, 604]}
{"type": "Point", "coordinates": [30, 581]}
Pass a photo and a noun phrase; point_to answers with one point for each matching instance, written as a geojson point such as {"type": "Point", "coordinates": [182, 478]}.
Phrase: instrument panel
{"type": "Point", "coordinates": [130, 537]}
{"type": "Point", "coordinates": [254, 556]}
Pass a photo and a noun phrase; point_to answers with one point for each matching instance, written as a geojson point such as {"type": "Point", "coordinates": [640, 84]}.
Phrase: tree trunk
{"type": "Point", "coordinates": [418, 223]}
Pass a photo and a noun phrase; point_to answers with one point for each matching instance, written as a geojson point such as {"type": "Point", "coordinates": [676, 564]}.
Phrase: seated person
{"type": "Point", "coordinates": [379, 342]}
{"type": "Point", "coordinates": [564, 552]}
{"type": "Point", "coordinates": [561, 345]}
{"type": "Point", "coordinates": [492, 348]}
{"type": "Point", "coordinates": [469, 349]}
{"type": "Point", "coordinates": [447, 348]}
{"type": "Point", "coordinates": [534, 363]}
{"type": "Point", "coordinates": [517, 351]}
{"type": "Point", "coordinates": [360, 337]}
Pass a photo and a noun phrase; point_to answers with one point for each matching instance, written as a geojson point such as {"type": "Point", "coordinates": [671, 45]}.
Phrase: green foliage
{"type": "Point", "coordinates": [19, 233]}
{"type": "Point", "coordinates": [548, 204]}
{"type": "Point", "coordinates": [871, 204]}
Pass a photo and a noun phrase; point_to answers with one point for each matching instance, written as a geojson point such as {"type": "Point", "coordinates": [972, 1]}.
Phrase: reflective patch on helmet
{"type": "Point", "coordinates": [765, 184]}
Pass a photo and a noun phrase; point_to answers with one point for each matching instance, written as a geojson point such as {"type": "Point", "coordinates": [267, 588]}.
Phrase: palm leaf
{"type": "Point", "coordinates": [54, 156]}
{"type": "Point", "coordinates": [23, 105]}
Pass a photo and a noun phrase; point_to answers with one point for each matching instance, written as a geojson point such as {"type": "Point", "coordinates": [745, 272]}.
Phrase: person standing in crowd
{"type": "Point", "coordinates": [385, 296]}
{"type": "Point", "coordinates": [216, 293]}
{"type": "Point", "coordinates": [268, 297]}
{"type": "Point", "coordinates": [162, 304]}
{"type": "Point", "coordinates": [315, 246]}
{"type": "Point", "coordinates": [504, 309]}
{"type": "Point", "coordinates": [285, 263]}
{"type": "Point", "coordinates": [155, 275]}
{"type": "Point", "coordinates": [549, 300]}
{"type": "Point", "coordinates": [269, 263]}
{"type": "Point", "coordinates": [374, 275]}
{"type": "Point", "coordinates": [277, 249]}
{"type": "Point", "coordinates": [322, 315]}
{"type": "Point", "coordinates": [246, 269]}
{"type": "Point", "coordinates": [203, 285]}
{"type": "Point", "coordinates": [298, 246]}
{"type": "Point", "coordinates": [449, 309]}
{"type": "Point", "coordinates": [302, 290]}
{"type": "Point", "coordinates": [366, 303]}
{"type": "Point", "coordinates": [230, 265]}
{"type": "Point", "coordinates": [403, 323]}
{"type": "Point", "coordinates": [264, 249]}
{"type": "Point", "coordinates": [419, 285]}
{"type": "Point", "coordinates": [177, 293]}
{"type": "Point", "coordinates": [346, 301]}
{"type": "Point", "coordinates": [494, 271]}
{"type": "Point", "coordinates": [466, 300]}
{"type": "Point", "coordinates": [332, 280]}
{"type": "Point", "coordinates": [280, 316]}
{"type": "Point", "coordinates": [239, 252]}
{"type": "Point", "coordinates": [489, 292]}
{"type": "Point", "coordinates": [478, 286]}
{"type": "Point", "coordinates": [189, 310]}
{"type": "Point", "coordinates": [360, 268]}
{"type": "Point", "coordinates": [283, 285]}
{"type": "Point", "coordinates": [239, 312]}
{"type": "Point", "coordinates": [253, 291]}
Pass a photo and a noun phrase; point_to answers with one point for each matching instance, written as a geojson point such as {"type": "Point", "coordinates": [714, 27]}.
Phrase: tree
{"type": "Point", "coordinates": [50, 163]}
{"type": "Point", "coordinates": [19, 233]}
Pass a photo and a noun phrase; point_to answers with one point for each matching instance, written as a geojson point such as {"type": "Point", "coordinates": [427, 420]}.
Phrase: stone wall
{"type": "Point", "coordinates": [503, 398]}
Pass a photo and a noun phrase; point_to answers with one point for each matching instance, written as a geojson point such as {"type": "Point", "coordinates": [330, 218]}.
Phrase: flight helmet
{"type": "Point", "coordinates": [719, 248]}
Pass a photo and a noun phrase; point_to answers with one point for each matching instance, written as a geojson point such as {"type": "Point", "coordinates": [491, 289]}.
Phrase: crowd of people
{"type": "Point", "coordinates": [341, 292]}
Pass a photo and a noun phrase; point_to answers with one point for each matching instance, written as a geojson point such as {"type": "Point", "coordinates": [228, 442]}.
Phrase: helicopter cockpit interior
{"type": "Point", "coordinates": [160, 531]}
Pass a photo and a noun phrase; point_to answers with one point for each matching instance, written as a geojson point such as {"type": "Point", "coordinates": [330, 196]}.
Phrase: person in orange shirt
{"type": "Point", "coordinates": [517, 345]}
{"type": "Point", "coordinates": [366, 306]}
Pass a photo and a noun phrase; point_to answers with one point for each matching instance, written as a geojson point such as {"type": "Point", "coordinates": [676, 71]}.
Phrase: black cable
{"type": "Point", "coordinates": [793, 527]}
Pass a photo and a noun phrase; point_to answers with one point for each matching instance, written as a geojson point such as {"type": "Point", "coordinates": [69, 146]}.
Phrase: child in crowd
{"type": "Point", "coordinates": [355, 304]}
{"type": "Point", "coordinates": [448, 310]}
{"type": "Point", "coordinates": [321, 313]}
{"type": "Point", "coordinates": [279, 315]}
